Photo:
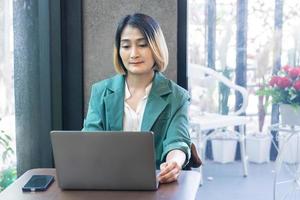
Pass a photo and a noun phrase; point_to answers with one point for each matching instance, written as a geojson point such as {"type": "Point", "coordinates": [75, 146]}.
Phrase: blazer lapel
{"type": "Point", "coordinates": [155, 104]}
{"type": "Point", "coordinates": [114, 104]}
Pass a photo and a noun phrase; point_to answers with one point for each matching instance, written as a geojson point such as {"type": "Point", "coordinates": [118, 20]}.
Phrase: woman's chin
{"type": "Point", "coordinates": [140, 72]}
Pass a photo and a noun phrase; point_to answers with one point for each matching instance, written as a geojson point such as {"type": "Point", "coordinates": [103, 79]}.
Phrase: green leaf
{"type": "Point", "coordinates": [8, 137]}
{"type": "Point", "coordinates": [4, 142]}
{"type": "Point", "coordinates": [7, 177]}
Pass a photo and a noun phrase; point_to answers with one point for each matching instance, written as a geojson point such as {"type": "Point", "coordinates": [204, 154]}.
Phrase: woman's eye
{"type": "Point", "coordinates": [143, 45]}
{"type": "Point", "coordinates": [125, 46]}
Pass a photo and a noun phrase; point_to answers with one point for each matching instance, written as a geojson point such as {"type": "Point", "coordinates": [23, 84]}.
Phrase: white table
{"type": "Point", "coordinates": [203, 123]}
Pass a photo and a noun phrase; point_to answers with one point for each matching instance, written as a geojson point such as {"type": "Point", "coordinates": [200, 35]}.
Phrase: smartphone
{"type": "Point", "coordinates": [38, 183]}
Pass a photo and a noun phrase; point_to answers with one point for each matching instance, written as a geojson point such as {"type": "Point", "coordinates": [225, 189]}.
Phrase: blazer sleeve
{"type": "Point", "coordinates": [94, 119]}
{"type": "Point", "coordinates": [178, 136]}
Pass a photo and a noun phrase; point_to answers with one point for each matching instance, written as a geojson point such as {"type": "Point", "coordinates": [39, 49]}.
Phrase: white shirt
{"type": "Point", "coordinates": [132, 120]}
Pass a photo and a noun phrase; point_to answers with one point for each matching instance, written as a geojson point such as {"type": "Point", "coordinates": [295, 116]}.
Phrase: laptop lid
{"type": "Point", "coordinates": [104, 160]}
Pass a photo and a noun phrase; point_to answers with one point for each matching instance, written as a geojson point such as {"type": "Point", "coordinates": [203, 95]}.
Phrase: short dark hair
{"type": "Point", "coordinates": [153, 34]}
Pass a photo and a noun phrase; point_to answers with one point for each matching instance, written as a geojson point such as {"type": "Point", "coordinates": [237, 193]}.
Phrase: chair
{"type": "Point", "coordinates": [195, 161]}
{"type": "Point", "coordinates": [207, 125]}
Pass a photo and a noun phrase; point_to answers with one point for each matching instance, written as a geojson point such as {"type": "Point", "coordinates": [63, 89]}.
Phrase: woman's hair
{"type": "Point", "coordinates": [153, 35]}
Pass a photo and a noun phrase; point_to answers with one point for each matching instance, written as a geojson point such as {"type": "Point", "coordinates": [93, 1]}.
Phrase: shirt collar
{"type": "Point", "coordinates": [128, 94]}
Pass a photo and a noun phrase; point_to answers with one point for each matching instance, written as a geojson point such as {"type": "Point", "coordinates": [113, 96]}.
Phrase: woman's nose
{"type": "Point", "coordinates": [134, 52]}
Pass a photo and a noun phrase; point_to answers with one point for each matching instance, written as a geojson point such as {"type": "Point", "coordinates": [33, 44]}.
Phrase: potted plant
{"type": "Point", "coordinates": [224, 144]}
{"type": "Point", "coordinates": [7, 172]}
{"type": "Point", "coordinates": [284, 89]}
{"type": "Point", "coordinates": [258, 143]}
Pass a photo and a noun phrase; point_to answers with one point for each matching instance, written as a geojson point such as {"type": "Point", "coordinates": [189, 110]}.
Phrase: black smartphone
{"type": "Point", "coordinates": [38, 183]}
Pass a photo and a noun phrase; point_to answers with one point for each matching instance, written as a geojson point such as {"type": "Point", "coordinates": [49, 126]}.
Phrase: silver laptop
{"type": "Point", "coordinates": [104, 160]}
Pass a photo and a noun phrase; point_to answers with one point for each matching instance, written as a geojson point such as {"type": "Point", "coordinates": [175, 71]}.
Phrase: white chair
{"type": "Point", "coordinates": [202, 122]}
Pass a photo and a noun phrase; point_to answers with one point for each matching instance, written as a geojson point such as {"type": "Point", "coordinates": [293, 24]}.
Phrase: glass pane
{"type": "Point", "coordinates": [259, 55]}
{"type": "Point", "coordinates": [196, 32]}
{"type": "Point", "coordinates": [7, 112]}
{"type": "Point", "coordinates": [261, 39]}
{"type": "Point", "coordinates": [291, 33]}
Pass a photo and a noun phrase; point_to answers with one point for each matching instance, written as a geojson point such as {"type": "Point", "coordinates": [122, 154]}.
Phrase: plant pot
{"type": "Point", "coordinates": [258, 147]}
{"type": "Point", "coordinates": [223, 150]}
{"type": "Point", "coordinates": [291, 151]}
{"type": "Point", "coordinates": [289, 115]}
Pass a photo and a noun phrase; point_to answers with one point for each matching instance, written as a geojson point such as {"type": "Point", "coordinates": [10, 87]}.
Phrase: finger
{"type": "Point", "coordinates": [170, 175]}
{"type": "Point", "coordinates": [171, 172]}
{"type": "Point", "coordinates": [172, 179]}
{"type": "Point", "coordinates": [164, 169]}
{"type": "Point", "coordinates": [168, 167]}
{"type": "Point", "coordinates": [163, 165]}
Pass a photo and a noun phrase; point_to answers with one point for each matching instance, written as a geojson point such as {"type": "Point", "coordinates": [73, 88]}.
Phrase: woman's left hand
{"type": "Point", "coordinates": [169, 172]}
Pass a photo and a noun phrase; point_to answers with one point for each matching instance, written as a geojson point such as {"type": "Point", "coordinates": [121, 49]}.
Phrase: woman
{"type": "Point", "coordinates": [140, 98]}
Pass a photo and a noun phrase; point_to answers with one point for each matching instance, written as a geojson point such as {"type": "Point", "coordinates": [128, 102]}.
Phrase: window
{"type": "Point", "coordinates": [7, 111]}
{"type": "Point", "coordinates": [261, 39]}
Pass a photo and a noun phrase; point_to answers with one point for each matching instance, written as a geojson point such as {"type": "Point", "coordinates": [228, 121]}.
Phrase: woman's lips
{"type": "Point", "coordinates": [135, 63]}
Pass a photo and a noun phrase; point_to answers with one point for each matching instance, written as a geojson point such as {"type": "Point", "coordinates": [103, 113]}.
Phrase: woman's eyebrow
{"type": "Point", "coordinates": [128, 40]}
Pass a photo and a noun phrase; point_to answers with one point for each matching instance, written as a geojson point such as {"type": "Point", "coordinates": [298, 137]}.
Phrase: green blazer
{"type": "Point", "coordinates": [166, 113]}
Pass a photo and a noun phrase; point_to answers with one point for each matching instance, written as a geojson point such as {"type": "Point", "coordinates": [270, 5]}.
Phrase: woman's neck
{"type": "Point", "coordinates": [139, 82]}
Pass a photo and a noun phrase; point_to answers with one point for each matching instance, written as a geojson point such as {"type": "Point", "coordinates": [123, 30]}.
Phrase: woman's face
{"type": "Point", "coordinates": [135, 52]}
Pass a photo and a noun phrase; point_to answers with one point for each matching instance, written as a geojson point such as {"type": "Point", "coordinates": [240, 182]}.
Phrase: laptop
{"type": "Point", "coordinates": [106, 160]}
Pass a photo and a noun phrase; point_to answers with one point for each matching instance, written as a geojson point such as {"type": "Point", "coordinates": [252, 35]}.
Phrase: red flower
{"type": "Point", "coordinates": [294, 72]}
{"type": "Point", "coordinates": [284, 87]}
{"type": "Point", "coordinates": [286, 68]}
{"type": "Point", "coordinates": [274, 81]}
{"type": "Point", "coordinates": [297, 85]}
{"type": "Point", "coordinates": [283, 82]}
